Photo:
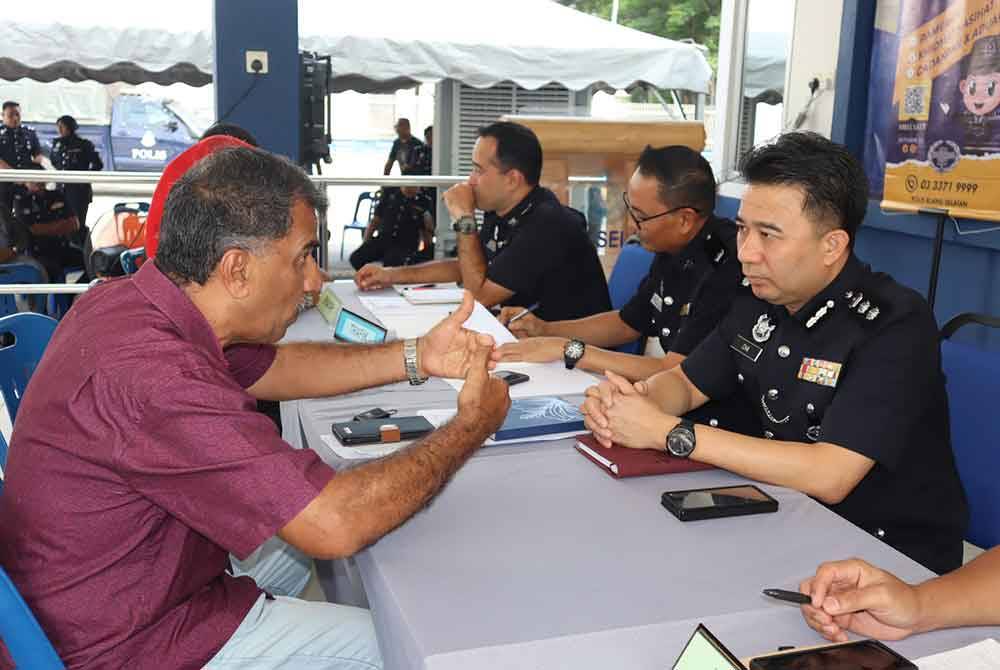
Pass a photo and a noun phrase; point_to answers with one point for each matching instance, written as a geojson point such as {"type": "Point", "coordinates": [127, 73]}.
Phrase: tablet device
{"type": "Point", "coordinates": [369, 431]}
{"type": "Point", "coordinates": [869, 654]}
{"type": "Point", "coordinates": [352, 327]}
{"type": "Point", "coordinates": [704, 651]}
{"type": "Point", "coordinates": [713, 503]}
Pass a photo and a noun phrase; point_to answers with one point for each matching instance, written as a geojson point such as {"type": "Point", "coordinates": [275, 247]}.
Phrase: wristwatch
{"type": "Point", "coordinates": [465, 224]}
{"type": "Point", "coordinates": [573, 352]}
{"type": "Point", "coordinates": [680, 440]}
{"type": "Point", "coordinates": [410, 362]}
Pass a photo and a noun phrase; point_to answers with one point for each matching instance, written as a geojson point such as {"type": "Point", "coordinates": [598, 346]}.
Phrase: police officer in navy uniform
{"type": "Point", "coordinates": [841, 363]}
{"type": "Point", "coordinates": [532, 250]}
{"type": "Point", "coordinates": [46, 228]}
{"type": "Point", "coordinates": [402, 218]}
{"type": "Point", "coordinates": [690, 286]}
{"type": "Point", "coordinates": [19, 150]}
{"type": "Point", "coordinates": [72, 152]}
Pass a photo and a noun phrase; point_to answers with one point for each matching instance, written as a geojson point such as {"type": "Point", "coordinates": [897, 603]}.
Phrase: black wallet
{"type": "Point", "coordinates": [370, 431]}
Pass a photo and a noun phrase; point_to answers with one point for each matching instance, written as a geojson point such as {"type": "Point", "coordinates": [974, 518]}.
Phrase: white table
{"type": "Point", "coordinates": [533, 557]}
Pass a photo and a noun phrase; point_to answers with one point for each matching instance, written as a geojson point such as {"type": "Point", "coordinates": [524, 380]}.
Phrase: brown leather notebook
{"type": "Point", "coordinates": [622, 462]}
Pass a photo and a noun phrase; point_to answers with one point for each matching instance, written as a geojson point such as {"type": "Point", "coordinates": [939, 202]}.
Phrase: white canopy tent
{"type": "Point", "coordinates": [375, 45]}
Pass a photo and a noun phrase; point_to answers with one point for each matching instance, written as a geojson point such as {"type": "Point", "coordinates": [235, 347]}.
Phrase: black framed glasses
{"type": "Point", "coordinates": [639, 219]}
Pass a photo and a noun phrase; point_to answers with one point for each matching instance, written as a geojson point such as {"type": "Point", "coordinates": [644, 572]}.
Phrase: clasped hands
{"type": "Point", "coordinates": [620, 412]}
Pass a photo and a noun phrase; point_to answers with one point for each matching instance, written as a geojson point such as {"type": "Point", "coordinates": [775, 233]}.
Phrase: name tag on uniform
{"type": "Point", "coordinates": [824, 373]}
{"type": "Point", "coordinates": [657, 302]}
{"type": "Point", "coordinates": [746, 348]}
{"type": "Point", "coordinates": [685, 309]}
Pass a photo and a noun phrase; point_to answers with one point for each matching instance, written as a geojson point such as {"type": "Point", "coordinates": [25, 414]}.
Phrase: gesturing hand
{"type": "Point", "coordinates": [448, 349]}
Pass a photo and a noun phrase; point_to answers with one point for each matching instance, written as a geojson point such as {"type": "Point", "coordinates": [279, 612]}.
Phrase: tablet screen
{"type": "Point", "coordinates": [704, 652]}
{"type": "Point", "coordinates": [353, 328]}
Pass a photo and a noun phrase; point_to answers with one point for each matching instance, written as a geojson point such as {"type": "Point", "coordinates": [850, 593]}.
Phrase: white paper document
{"type": "Point", "coordinates": [983, 655]}
{"type": "Point", "coordinates": [431, 294]}
{"type": "Point", "coordinates": [364, 451]}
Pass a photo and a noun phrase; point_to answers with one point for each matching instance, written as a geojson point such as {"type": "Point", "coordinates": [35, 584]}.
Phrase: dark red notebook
{"type": "Point", "coordinates": [624, 462]}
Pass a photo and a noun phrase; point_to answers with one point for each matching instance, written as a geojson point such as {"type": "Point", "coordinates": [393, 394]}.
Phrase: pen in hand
{"type": "Point", "coordinates": [788, 596]}
{"type": "Point", "coordinates": [526, 311]}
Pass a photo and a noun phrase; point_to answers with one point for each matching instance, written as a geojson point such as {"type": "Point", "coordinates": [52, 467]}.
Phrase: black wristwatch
{"type": "Point", "coordinates": [573, 352]}
{"type": "Point", "coordinates": [680, 440]}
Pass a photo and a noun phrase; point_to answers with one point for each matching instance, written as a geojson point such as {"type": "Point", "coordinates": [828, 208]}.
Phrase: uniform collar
{"type": "Point", "coordinates": [849, 278]}
{"type": "Point", "coordinates": [697, 247]}
{"type": "Point", "coordinates": [523, 207]}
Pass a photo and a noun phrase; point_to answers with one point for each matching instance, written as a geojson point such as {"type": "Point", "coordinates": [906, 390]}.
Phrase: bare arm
{"type": "Point", "coordinates": [361, 505]}
{"type": "Point", "coordinates": [6, 253]}
{"type": "Point", "coordinates": [601, 330]}
{"type": "Point", "coordinates": [373, 276]}
{"type": "Point", "coordinates": [854, 595]}
{"type": "Point", "coordinates": [472, 266]}
{"type": "Point", "coordinates": [56, 228]}
{"type": "Point", "coordinates": [631, 366]}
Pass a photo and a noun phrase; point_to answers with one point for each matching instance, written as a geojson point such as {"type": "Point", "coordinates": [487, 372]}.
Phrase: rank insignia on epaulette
{"type": "Point", "coordinates": [818, 371]}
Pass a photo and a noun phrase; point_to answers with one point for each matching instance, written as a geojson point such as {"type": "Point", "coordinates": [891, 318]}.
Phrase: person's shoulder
{"type": "Point", "coordinates": [879, 302]}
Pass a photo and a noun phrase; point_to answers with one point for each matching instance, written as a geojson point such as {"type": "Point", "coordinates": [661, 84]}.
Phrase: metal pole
{"type": "Point", "coordinates": [614, 11]}
{"type": "Point", "coordinates": [936, 259]}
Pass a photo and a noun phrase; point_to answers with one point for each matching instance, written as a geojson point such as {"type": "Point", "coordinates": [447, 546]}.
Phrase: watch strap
{"type": "Point", "coordinates": [465, 224]}
{"type": "Point", "coordinates": [410, 362]}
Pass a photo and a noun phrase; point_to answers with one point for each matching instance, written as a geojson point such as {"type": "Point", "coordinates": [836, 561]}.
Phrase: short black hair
{"type": "Point", "coordinates": [69, 122]}
{"type": "Point", "coordinates": [231, 130]}
{"type": "Point", "coordinates": [237, 197]}
{"type": "Point", "coordinates": [685, 178]}
{"type": "Point", "coordinates": [518, 149]}
{"type": "Point", "coordinates": [428, 129]}
{"type": "Point", "coordinates": [10, 103]}
{"type": "Point", "coordinates": [832, 181]}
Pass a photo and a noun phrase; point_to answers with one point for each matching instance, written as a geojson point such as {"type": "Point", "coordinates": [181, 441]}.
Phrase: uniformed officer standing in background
{"type": "Point", "coordinates": [19, 150]}
{"type": "Point", "coordinates": [72, 152]}
{"type": "Point", "coordinates": [842, 364]}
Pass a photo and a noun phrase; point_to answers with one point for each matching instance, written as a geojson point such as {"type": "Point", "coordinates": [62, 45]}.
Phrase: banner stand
{"type": "Point", "coordinates": [942, 218]}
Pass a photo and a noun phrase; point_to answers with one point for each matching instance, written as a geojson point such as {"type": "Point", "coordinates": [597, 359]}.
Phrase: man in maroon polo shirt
{"type": "Point", "coordinates": [132, 476]}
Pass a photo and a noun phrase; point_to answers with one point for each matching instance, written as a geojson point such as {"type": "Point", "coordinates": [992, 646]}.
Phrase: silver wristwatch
{"type": "Point", "coordinates": [465, 224]}
{"type": "Point", "coordinates": [410, 362]}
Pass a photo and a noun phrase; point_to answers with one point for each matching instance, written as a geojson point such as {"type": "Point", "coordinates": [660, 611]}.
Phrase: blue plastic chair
{"type": "Point", "coordinates": [23, 637]}
{"type": "Point", "coordinates": [971, 378]}
{"type": "Point", "coordinates": [630, 269]}
{"type": "Point", "coordinates": [18, 361]}
{"type": "Point", "coordinates": [16, 273]}
{"type": "Point", "coordinates": [357, 224]}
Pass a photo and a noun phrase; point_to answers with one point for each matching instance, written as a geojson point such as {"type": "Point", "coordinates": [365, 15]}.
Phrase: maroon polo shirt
{"type": "Point", "coordinates": [138, 462]}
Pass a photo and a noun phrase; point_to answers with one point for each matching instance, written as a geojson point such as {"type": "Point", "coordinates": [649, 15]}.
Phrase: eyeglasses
{"type": "Point", "coordinates": [639, 219]}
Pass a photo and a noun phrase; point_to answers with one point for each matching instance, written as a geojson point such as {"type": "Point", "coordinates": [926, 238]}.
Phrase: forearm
{"type": "Point", "coordinates": [814, 469]}
{"type": "Point", "coordinates": [373, 499]}
{"type": "Point", "coordinates": [600, 330]}
{"type": "Point", "coordinates": [969, 596]}
{"type": "Point", "coordinates": [320, 369]}
{"type": "Point", "coordinates": [432, 271]}
{"type": "Point", "coordinates": [58, 228]}
{"type": "Point", "coordinates": [630, 366]}
{"type": "Point", "coordinates": [6, 253]}
{"type": "Point", "coordinates": [471, 262]}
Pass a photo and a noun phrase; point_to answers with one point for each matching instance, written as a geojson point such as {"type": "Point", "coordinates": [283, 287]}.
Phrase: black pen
{"type": "Point", "coordinates": [788, 596]}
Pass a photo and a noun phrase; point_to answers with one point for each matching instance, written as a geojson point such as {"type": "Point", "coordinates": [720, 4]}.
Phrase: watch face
{"type": "Point", "coordinates": [680, 442]}
{"type": "Point", "coordinates": [574, 349]}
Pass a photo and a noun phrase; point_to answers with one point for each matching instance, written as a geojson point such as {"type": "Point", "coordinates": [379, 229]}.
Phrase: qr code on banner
{"type": "Point", "coordinates": [916, 102]}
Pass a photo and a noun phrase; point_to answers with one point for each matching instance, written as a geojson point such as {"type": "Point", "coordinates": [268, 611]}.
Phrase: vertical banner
{"type": "Point", "coordinates": [943, 148]}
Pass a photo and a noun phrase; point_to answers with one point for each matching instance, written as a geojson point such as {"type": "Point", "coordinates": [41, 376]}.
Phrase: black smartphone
{"type": "Point", "coordinates": [368, 432]}
{"type": "Point", "coordinates": [374, 413]}
{"type": "Point", "coordinates": [511, 377]}
{"type": "Point", "coordinates": [870, 654]}
{"type": "Point", "coordinates": [713, 503]}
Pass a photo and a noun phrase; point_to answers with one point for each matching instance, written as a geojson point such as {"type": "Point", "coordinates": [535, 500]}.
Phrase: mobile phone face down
{"type": "Point", "coordinates": [714, 503]}
{"type": "Point", "coordinates": [368, 432]}
{"type": "Point", "coordinates": [511, 377]}
{"type": "Point", "coordinates": [859, 654]}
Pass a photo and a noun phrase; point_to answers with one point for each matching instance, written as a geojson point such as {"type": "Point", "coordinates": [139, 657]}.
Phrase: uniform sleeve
{"type": "Point", "coordinates": [710, 302]}
{"type": "Point", "coordinates": [536, 249]}
{"type": "Point", "coordinates": [205, 455]}
{"type": "Point", "coordinates": [710, 367]}
{"type": "Point", "coordinates": [95, 162]}
{"type": "Point", "coordinates": [637, 312]}
{"type": "Point", "coordinates": [33, 144]}
{"type": "Point", "coordinates": [890, 380]}
{"type": "Point", "coordinates": [393, 149]}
